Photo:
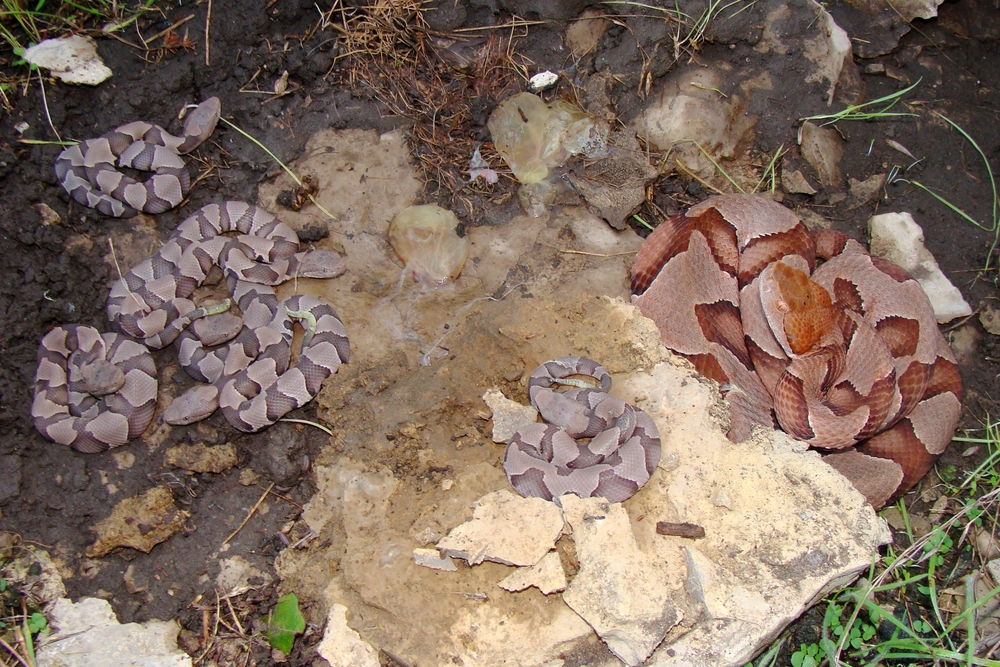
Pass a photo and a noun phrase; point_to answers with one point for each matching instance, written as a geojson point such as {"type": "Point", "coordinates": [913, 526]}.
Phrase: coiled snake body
{"type": "Point", "coordinates": [547, 460]}
{"type": "Point", "coordinates": [89, 171]}
{"type": "Point", "coordinates": [846, 355]}
{"type": "Point", "coordinates": [251, 377]}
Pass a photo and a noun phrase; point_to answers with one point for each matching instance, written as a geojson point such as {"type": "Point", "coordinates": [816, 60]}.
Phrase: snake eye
{"type": "Point", "coordinates": [782, 307]}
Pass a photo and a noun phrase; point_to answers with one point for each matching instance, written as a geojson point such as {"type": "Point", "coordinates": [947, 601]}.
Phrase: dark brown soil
{"type": "Point", "coordinates": [51, 495]}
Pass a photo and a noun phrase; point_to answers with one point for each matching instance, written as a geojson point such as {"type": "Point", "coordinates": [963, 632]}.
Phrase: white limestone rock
{"type": "Point", "coordinates": [73, 59]}
{"type": "Point", "coordinates": [828, 49]}
{"type": "Point", "coordinates": [488, 635]}
{"type": "Point", "coordinates": [793, 529]}
{"type": "Point", "coordinates": [546, 575]}
{"type": "Point", "coordinates": [623, 593]}
{"type": "Point", "coordinates": [87, 634]}
{"type": "Point", "coordinates": [689, 112]}
{"type": "Point", "coordinates": [506, 528]}
{"type": "Point", "coordinates": [899, 239]}
{"type": "Point", "coordinates": [508, 415]}
{"type": "Point", "coordinates": [342, 646]}
{"type": "Point", "coordinates": [993, 567]}
{"type": "Point", "coordinates": [433, 559]}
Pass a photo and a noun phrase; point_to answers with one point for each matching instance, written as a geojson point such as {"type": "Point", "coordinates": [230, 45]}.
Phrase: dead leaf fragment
{"type": "Point", "coordinates": [583, 34]}
{"type": "Point", "coordinates": [73, 59]}
{"type": "Point", "coordinates": [47, 216]}
{"type": "Point", "coordinates": [822, 148]}
{"type": "Point", "coordinates": [794, 183]}
{"type": "Point", "coordinates": [990, 319]}
{"type": "Point", "coordinates": [866, 191]}
{"type": "Point", "coordinates": [615, 186]}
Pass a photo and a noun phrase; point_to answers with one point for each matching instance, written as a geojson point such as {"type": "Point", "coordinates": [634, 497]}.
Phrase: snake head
{"type": "Point", "coordinates": [800, 312]}
{"type": "Point", "coordinates": [200, 123]}
{"type": "Point", "coordinates": [195, 404]}
{"type": "Point", "coordinates": [321, 264]}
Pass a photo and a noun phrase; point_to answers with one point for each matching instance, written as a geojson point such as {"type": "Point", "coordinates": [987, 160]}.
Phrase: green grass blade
{"type": "Point", "coordinates": [719, 167]}
{"type": "Point", "coordinates": [947, 203]}
{"type": "Point", "coordinates": [986, 163]}
{"type": "Point", "coordinates": [854, 111]}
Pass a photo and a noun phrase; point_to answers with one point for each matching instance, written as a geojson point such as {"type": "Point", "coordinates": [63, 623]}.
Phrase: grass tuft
{"type": "Point", "coordinates": [864, 110]}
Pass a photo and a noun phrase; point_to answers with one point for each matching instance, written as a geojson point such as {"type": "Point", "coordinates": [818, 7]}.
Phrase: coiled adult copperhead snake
{"type": "Point", "coordinates": [250, 379]}
{"type": "Point", "coordinates": [547, 460]}
{"type": "Point", "coordinates": [847, 354]}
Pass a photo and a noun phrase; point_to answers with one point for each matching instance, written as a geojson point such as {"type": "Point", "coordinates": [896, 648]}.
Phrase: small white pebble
{"type": "Point", "coordinates": [447, 484]}
{"type": "Point", "coordinates": [542, 81]}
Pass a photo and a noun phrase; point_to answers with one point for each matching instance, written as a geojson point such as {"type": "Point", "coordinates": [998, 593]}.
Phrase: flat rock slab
{"type": "Point", "coordinates": [781, 527]}
{"type": "Point", "coordinates": [87, 634]}
{"type": "Point", "coordinates": [547, 575]}
{"type": "Point", "coordinates": [508, 415]}
{"type": "Point", "coordinates": [343, 647]}
{"type": "Point", "coordinates": [619, 589]}
{"type": "Point", "coordinates": [506, 528]}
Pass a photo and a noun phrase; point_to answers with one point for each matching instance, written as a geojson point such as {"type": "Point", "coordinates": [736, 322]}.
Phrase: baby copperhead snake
{"type": "Point", "coordinates": [250, 379]}
{"type": "Point", "coordinates": [547, 460]}
{"type": "Point", "coordinates": [845, 354]}
{"type": "Point", "coordinates": [89, 171]}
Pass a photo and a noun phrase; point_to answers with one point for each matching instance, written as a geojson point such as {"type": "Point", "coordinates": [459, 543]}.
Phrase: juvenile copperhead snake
{"type": "Point", "coordinates": [547, 460]}
{"type": "Point", "coordinates": [92, 390]}
{"type": "Point", "coordinates": [89, 171]}
{"type": "Point", "coordinates": [251, 379]}
{"type": "Point", "coordinates": [847, 355]}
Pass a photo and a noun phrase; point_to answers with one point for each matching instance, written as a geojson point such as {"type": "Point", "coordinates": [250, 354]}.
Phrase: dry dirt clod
{"type": "Point", "coordinates": [139, 523]}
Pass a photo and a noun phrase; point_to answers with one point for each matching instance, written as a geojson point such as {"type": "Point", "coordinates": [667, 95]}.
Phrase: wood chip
{"type": "Point", "coordinates": [688, 530]}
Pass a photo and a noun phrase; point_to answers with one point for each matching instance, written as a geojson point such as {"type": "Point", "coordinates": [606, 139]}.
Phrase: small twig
{"type": "Point", "coordinates": [25, 641]}
{"type": "Point", "coordinates": [287, 500]}
{"type": "Point", "coordinates": [588, 254]}
{"type": "Point", "coordinates": [961, 321]}
{"type": "Point", "coordinates": [236, 620]}
{"type": "Point", "coordinates": [121, 276]}
{"type": "Point", "coordinates": [684, 168]}
{"type": "Point", "coordinates": [281, 164]}
{"type": "Point", "coordinates": [714, 90]}
{"type": "Point", "coordinates": [208, 25]}
{"type": "Point", "coordinates": [163, 32]}
{"type": "Point", "coordinates": [250, 514]}
{"type": "Point", "coordinates": [14, 653]}
{"type": "Point", "coordinates": [519, 23]}
{"type": "Point", "coordinates": [970, 619]}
